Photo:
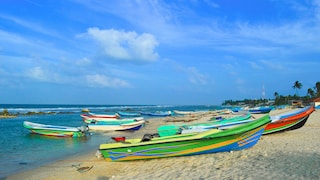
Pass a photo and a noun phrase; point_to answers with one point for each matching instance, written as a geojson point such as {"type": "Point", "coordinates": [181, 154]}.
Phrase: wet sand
{"type": "Point", "coordinates": [289, 155]}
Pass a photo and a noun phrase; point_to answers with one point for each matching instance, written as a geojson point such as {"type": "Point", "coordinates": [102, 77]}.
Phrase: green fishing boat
{"type": "Point", "coordinates": [168, 130]}
{"type": "Point", "coordinates": [211, 141]}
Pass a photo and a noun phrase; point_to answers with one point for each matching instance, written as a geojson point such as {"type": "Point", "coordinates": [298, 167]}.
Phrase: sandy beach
{"type": "Point", "coordinates": [288, 155]}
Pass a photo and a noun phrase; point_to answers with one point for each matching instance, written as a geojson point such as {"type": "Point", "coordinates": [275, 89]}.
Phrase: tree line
{"type": "Point", "coordinates": [311, 94]}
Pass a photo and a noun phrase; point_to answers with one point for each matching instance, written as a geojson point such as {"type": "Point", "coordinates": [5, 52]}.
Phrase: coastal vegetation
{"type": "Point", "coordinates": [311, 94]}
{"type": "Point", "coordinates": [6, 114]}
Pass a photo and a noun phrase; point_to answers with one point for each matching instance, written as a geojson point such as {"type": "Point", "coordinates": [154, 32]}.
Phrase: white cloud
{"type": "Point", "coordinates": [95, 80]}
{"type": "Point", "coordinates": [230, 69]}
{"type": "Point", "coordinates": [194, 76]}
{"type": "Point", "coordinates": [8, 37]}
{"type": "Point", "coordinates": [41, 74]}
{"type": "Point", "coordinates": [151, 16]}
{"type": "Point", "coordinates": [168, 22]}
{"type": "Point", "coordinates": [272, 65]}
{"type": "Point", "coordinates": [212, 4]}
{"type": "Point", "coordinates": [239, 81]}
{"type": "Point", "coordinates": [122, 45]}
{"type": "Point", "coordinates": [31, 26]}
{"type": "Point", "coordinates": [83, 62]}
{"type": "Point", "coordinates": [255, 65]}
{"type": "Point", "coordinates": [105, 81]}
{"type": "Point", "coordinates": [37, 73]}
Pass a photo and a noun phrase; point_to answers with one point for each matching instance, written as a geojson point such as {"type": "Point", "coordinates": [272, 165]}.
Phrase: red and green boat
{"type": "Point", "coordinates": [289, 121]}
{"type": "Point", "coordinates": [211, 141]}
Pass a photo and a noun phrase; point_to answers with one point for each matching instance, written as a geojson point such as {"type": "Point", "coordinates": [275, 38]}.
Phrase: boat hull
{"type": "Point", "coordinates": [128, 114]}
{"type": "Point", "coordinates": [116, 127]}
{"type": "Point", "coordinates": [157, 114]}
{"type": "Point", "coordinates": [261, 110]}
{"type": "Point", "coordinates": [167, 130]}
{"type": "Point", "coordinates": [113, 121]}
{"type": "Point", "coordinates": [51, 130]}
{"type": "Point", "coordinates": [98, 117]}
{"type": "Point", "coordinates": [211, 141]}
{"type": "Point", "coordinates": [289, 121]}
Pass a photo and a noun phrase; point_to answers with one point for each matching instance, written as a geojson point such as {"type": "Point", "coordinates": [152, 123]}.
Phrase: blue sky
{"type": "Point", "coordinates": [156, 52]}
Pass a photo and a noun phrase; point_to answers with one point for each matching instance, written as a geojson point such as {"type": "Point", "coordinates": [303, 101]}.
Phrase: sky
{"type": "Point", "coordinates": [183, 52]}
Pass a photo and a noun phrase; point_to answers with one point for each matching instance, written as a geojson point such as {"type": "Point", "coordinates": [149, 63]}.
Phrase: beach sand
{"type": "Point", "coordinates": [289, 155]}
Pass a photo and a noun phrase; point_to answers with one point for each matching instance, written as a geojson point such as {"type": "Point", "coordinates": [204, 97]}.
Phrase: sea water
{"type": "Point", "coordinates": [21, 150]}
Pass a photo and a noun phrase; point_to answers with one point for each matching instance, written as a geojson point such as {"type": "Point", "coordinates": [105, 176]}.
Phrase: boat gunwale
{"type": "Point", "coordinates": [242, 129]}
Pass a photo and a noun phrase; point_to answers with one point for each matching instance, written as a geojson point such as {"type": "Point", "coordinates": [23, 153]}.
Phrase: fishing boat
{"type": "Point", "coordinates": [98, 116]}
{"type": "Point", "coordinates": [112, 121]}
{"type": "Point", "coordinates": [238, 117]}
{"type": "Point", "coordinates": [289, 121]}
{"type": "Point", "coordinates": [260, 110]}
{"type": "Point", "coordinates": [128, 114]}
{"type": "Point", "coordinates": [179, 112]}
{"type": "Point", "coordinates": [210, 141]}
{"type": "Point", "coordinates": [168, 130]}
{"type": "Point", "coordinates": [52, 130]}
{"type": "Point", "coordinates": [106, 126]}
{"type": "Point", "coordinates": [158, 113]}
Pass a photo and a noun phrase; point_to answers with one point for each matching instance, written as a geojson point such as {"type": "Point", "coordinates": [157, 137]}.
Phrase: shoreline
{"type": "Point", "coordinates": [7, 116]}
{"type": "Point", "coordinates": [287, 155]}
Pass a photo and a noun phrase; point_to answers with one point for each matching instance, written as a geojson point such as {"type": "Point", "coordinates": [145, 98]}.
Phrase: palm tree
{"type": "Point", "coordinates": [276, 94]}
{"type": "Point", "coordinates": [297, 85]}
{"type": "Point", "coordinates": [317, 88]}
{"type": "Point", "coordinates": [311, 93]}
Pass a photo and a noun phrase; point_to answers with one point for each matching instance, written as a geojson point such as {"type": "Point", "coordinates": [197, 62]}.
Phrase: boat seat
{"type": "Point", "coordinates": [155, 135]}
{"type": "Point", "coordinates": [146, 137]}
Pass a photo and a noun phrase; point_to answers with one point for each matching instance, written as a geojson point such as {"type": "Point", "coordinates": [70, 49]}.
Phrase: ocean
{"type": "Point", "coordinates": [21, 150]}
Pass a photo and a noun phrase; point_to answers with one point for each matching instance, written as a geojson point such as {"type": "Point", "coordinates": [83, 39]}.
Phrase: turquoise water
{"type": "Point", "coordinates": [20, 150]}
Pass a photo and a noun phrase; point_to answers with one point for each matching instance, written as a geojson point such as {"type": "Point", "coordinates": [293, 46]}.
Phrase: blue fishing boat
{"type": "Point", "coordinates": [128, 114]}
{"type": "Point", "coordinates": [158, 113]}
{"type": "Point", "coordinates": [260, 110]}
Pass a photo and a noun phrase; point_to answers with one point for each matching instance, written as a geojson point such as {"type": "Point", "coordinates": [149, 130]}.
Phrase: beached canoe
{"type": "Point", "coordinates": [112, 121]}
{"type": "Point", "coordinates": [290, 120]}
{"type": "Point", "coordinates": [158, 113]}
{"type": "Point", "coordinates": [105, 126]}
{"type": "Point", "coordinates": [238, 117]}
{"type": "Point", "coordinates": [99, 116]}
{"type": "Point", "coordinates": [168, 130]}
{"type": "Point", "coordinates": [260, 110]}
{"type": "Point", "coordinates": [179, 112]}
{"type": "Point", "coordinates": [210, 141]}
{"type": "Point", "coordinates": [52, 130]}
{"type": "Point", "coordinates": [128, 114]}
